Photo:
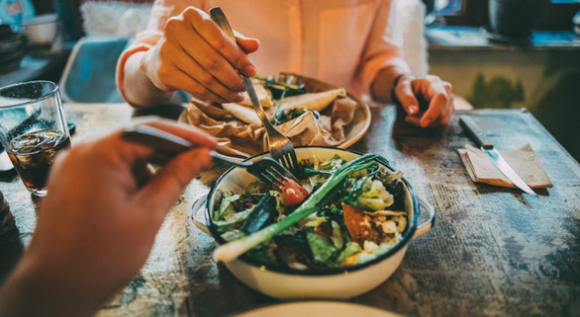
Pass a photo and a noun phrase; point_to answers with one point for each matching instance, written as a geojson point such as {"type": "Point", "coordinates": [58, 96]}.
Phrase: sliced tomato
{"type": "Point", "coordinates": [293, 193]}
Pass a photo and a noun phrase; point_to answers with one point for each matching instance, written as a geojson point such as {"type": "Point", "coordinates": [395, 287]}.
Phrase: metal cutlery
{"type": "Point", "coordinates": [488, 149]}
{"type": "Point", "coordinates": [280, 146]}
{"type": "Point", "coordinates": [266, 169]}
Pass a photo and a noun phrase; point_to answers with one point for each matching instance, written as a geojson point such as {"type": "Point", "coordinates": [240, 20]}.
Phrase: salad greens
{"type": "Point", "coordinates": [347, 217]}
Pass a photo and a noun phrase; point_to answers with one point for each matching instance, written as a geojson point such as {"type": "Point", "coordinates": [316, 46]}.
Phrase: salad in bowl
{"type": "Point", "coordinates": [355, 221]}
{"type": "Point", "coordinates": [339, 231]}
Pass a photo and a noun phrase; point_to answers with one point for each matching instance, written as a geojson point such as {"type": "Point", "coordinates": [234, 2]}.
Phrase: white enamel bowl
{"type": "Point", "coordinates": [337, 283]}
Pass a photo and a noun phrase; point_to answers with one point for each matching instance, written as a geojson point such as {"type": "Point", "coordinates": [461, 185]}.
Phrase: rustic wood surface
{"type": "Point", "coordinates": [493, 251]}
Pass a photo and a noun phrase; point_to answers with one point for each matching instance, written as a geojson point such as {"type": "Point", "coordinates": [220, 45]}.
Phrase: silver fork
{"type": "Point", "coordinates": [281, 148]}
{"type": "Point", "coordinates": [266, 169]}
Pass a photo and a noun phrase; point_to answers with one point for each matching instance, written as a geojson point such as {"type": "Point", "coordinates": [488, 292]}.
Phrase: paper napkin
{"type": "Point", "coordinates": [523, 161]}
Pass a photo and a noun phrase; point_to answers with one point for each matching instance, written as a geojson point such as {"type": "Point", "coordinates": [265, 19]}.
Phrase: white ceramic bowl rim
{"type": "Point", "coordinates": [406, 238]}
{"type": "Point", "coordinates": [41, 19]}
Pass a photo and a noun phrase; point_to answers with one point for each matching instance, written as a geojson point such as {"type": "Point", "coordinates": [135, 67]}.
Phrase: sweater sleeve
{"type": "Point", "coordinates": [382, 49]}
{"type": "Point", "coordinates": [162, 10]}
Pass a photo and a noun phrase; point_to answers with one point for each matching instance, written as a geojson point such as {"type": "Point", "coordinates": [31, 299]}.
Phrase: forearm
{"type": "Point", "coordinates": [382, 85]}
{"type": "Point", "coordinates": [139, 90]}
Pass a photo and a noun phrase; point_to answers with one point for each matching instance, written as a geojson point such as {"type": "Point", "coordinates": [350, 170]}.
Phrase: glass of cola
{"type": "Point", "coordinates": [33, 129]}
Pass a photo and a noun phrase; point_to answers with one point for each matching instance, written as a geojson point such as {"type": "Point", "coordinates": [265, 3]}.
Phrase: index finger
{"type": "Point", "coordinates": [214, 36]}
{"type": "Point", "coordinates": [438, 100]}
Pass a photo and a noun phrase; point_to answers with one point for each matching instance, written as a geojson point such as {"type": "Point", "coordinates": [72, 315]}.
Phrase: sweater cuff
{"type": "Point", "coordinates": [372, 67]}
{"type": "Point", "coordinates": [120, 77]}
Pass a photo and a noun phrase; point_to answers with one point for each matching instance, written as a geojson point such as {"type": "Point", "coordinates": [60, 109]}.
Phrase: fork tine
{"type": "Point", "coordinates": [278, 173]}
{"type": "Point", "coordinates": [276, 179]}
{"type": "Point", "coordinates": [268, 178]}
{"type": "Point", "coordinates": [290, 161]}
{"type": "Point", "coordinates": [283, 161]}
{"type": "Point", "coordinates": [294, 159]}
{"type": "Point", "coordinates": [285, 174]}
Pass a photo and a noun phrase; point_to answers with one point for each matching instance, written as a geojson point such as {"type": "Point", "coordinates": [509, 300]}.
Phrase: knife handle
{"type": "Point", "coordinates": [474, 131]}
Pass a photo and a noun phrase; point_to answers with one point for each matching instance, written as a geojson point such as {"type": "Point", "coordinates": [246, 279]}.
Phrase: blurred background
{"type": "Point", "coordinates": [496, 53]}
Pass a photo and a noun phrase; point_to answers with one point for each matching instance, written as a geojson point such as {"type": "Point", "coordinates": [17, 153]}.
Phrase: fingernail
{"type": "Point", "coordinates": [413, 109]}
{"type": "Point", "coordinates": [250, 70]}
{"type": "Point", "coordinates": [239, 98]}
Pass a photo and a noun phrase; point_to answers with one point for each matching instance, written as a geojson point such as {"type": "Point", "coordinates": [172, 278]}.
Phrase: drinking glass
{"type": "Point", "coordinates": [32, 130]}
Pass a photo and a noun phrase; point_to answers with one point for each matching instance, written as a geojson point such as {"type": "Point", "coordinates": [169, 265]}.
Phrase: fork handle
{"type": "Point", "coordinates": [157, 139]}
{"type": "Point", "coordinates": [170, 143]}
{"type": "Point", "coordinates": [218, 16]}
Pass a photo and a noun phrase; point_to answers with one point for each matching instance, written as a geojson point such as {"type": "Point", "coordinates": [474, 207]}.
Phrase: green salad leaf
{"type": "Point", "coordinates": [226, 209]}
{"type": "Point", "coordinates": [321, 247]}
{"type": "Point", "coordinates": [350, 249]}
{"type": "Point", "coordinates": [374, 196]}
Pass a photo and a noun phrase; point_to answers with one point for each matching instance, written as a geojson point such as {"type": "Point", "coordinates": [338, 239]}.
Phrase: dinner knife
{"type": "Point", "coordinates": [488, 149]}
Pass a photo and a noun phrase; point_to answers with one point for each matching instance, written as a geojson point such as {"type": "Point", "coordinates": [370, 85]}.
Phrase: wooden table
{"type": "Point", "coordinates": [492, 252]}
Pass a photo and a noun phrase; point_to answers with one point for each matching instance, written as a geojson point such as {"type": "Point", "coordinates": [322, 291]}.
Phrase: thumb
{"type": "Point", "coordinates": [406, 97]}
{"type": "Point", "coordinates": [248, 44]}
{"type": "Point", "coordinates": [164, 189]}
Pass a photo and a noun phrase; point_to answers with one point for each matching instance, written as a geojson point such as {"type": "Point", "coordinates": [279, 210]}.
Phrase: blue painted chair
{"type": "Point", "coordinates": [89, 76]}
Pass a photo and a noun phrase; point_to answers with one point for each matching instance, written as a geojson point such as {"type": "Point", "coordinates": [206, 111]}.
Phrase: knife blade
{"type": "Point", "coordinates": [489, 149]}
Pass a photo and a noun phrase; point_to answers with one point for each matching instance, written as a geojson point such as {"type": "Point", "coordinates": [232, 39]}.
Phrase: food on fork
{"type": "Point", "coordinates": [263, 97]}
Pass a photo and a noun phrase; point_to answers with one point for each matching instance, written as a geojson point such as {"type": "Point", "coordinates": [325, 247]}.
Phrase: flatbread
{"type": "Point", "coordinates": [237, 137]}
{"type": "Point", "coordinates": [313, 101]}
{"type": "Point", "coordinates": [245, 114]}
{"type": "Point", "coordinates": [341, 115]}
{"type": "Point", "coordinates": [263, 97]}
{"type": "Point", "coordinates": [212, 110]}
{"type": "Point", "coordinates": [306, 130]}
{"type": "Point", "coordinates": [234, 137]}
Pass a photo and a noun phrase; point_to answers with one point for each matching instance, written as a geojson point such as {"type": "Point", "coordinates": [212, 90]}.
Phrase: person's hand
{"type": "Point", "coordinates": [434, 91]}
{"type": "Point", "coordinates": [96, 226]}
{"type": "Point", "coordinates": [194, 55]}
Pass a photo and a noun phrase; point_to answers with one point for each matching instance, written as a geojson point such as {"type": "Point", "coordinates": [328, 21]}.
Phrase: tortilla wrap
{"type": "Point", "coordinates": [313, 101]}
{"type": "Point", "coordinates": [234, 137]}
{"type": "Point", "coordinates": [245, 114]}
{"type": "Point", "coordinates": [238, 138]}
{"type": "Point", "coordinates": [212, 110]}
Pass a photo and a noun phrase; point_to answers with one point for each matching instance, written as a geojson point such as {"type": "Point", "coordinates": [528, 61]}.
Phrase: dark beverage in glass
{"type": "Point", "coordinates": [33, 153]}
{"type": "Point", "coordinates": [32, 130]}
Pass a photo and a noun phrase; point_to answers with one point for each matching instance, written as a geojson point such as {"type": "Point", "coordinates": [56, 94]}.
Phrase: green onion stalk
{"type": "Point", "coordinates": [233, 249]}
{"type": "Point", "coordinates": [277, 115]}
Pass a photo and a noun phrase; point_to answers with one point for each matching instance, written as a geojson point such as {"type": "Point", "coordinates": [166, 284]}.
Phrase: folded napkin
{"type": "Point", "coordinates": [523, 161]}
